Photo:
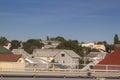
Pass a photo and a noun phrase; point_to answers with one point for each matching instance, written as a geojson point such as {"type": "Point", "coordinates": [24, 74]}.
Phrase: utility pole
{"type": "Point", "coordinates": [84, 57]}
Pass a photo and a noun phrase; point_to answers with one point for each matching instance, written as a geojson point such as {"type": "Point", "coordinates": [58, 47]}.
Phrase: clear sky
{"type": "Point", "coordinates": [82, 20]}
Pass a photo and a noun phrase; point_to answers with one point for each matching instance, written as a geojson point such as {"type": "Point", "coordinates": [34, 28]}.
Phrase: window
{"type": "Point", "coordinates": [62, 55]}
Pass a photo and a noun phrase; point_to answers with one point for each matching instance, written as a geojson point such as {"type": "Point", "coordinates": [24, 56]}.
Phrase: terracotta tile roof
{"type": "Point", "coordinates": [112, 58]}
{"type": "Point", "coordinates": [9, 57]}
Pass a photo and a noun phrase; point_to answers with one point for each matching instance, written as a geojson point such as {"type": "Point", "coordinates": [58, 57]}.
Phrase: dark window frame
{"type": "Point", "coordinates": [62, 55]}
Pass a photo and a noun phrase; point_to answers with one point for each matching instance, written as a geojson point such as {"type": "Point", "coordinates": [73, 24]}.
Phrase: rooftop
{"type": "Point", "coordinates": [53, 52]}
{"type": "Point", "coordinates": [9, 57]}
{"type": "Point", "coordinates": [112, 58]}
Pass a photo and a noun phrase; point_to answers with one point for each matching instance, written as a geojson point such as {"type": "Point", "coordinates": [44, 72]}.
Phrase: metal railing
{"type": "Point", "coordinates": [106, 68]}
{"type": "Point", "coordinates": [66, 68]}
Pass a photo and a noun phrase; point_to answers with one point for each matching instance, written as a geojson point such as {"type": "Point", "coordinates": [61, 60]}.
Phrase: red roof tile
{"type": "Point", "coordinates": [9, 57]}
{"type": "Point", "coordinates": [112, 59]}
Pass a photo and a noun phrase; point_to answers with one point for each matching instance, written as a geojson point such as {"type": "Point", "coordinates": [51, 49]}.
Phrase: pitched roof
{"type": "Point", "coordinates": [71, 53]}
{"type": "Point", "coordinates": [21, 52]}
{"type": "Point", "coordinates": [36, 60]}
{"type": "Point", "coordinates": [45, 52]}
{"type": "Point", "coordinates": [9, 57]}
{"type": "Point", "coordinates": [93, 54]}
{"type": "Point", "coordinates": [112, 58]}
{"type": "Point", "coordinates": [4, 50]}
{"type": "Point", "coordinates": [52, 52]}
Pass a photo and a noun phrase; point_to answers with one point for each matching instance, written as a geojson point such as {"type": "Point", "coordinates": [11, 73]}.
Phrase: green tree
{"type": "Point", "coordinates": [68, 45]}
{"type": "Point", "coordinates": [116, 39]}
{"type": "Point", "coordinates": [15, 44]}
{"type": "Point", "coordinates": [58, 38]}
{"type": "Point", "coordinates": [32, 44]}
{"type": "Point", "coordinates": [3, 41]}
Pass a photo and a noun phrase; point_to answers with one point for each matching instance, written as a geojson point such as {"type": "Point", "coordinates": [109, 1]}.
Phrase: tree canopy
{"type": "Point", "coordinates": [15, 44]}
{"type": "Point", "coordinates": [32, 44]}
{"type": "Point", "coordinates": [116, 39]}
{"type": "Point", "coordinates": [3, 41]}
{"type": "Point", "coordinates": [58, 38]}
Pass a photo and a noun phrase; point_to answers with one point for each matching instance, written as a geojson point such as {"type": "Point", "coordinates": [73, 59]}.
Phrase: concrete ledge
{"type": "Point", "coordinates": [60, 74]}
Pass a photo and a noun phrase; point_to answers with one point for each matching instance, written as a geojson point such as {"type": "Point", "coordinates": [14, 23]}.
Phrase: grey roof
{"type": "Point", "coordinates": [93, 54]}
{"type": "Point", "coordinates": [36, 60]}
{"type": "Point", "coordinates": [20, 51]}
{"type": "Point", "coordinates": [45, 52]}
{"type": "Point", "coordinates": [53, 52]}
{"type": "Point", "coordinates": [71, 53]}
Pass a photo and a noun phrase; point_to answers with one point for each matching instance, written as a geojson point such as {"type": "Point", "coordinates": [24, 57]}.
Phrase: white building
{"type": "Point", "coordinates": [50, 44]}
{"type": "Point", "coordinates": [95, 46]}
{"type": "Point", "coordinates": [60, 56]}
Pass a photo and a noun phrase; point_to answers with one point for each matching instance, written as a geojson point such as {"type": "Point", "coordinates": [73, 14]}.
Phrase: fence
{"type": "Point", "coordinates": [65, 68]}
{"type": "Point", "coordinates": [54, 65]}
{"type": "Point", "coordinates": [107, 68]}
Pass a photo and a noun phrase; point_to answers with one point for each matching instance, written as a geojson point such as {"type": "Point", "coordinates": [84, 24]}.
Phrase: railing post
{"type": "Point", "coordinates": [106, 68]}
{"type": "Point", "coordinates": [47, 66]}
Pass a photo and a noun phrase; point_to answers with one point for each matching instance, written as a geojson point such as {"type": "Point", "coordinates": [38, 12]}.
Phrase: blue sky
{"type": "Point", "coordinates": [82, 20]}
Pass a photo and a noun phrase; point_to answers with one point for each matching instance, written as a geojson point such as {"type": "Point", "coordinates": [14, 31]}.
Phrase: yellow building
{"type": "Point", "coordinates": [12, 62]}
{"type": "Point", "coordinates": [99, 46]}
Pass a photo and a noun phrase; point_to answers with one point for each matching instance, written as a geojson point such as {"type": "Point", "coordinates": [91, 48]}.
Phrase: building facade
{"type": "Point", "coordinates": [68, 58]}
{"type": "Point", "coordinates": [64, 57]}
{"type": "Point", "coordinates": [11, 62]}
